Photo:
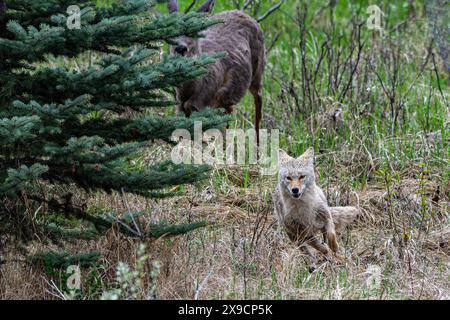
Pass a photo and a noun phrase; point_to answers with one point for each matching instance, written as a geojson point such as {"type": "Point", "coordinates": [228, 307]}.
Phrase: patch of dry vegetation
{"type": "Point", "coordinates": [403, 236]}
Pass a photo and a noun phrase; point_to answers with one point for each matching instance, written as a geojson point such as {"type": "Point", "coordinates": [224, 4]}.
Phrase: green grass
{"type": "Point", "coordinates": [381, 148]}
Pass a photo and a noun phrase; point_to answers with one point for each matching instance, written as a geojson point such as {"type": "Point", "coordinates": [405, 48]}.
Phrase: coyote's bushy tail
{"type": "Point", "coordinates": [343, 216]}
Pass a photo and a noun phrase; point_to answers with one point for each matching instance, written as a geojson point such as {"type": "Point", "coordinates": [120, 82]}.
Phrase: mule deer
{"type": "Point", "coordinates": [229, 78]}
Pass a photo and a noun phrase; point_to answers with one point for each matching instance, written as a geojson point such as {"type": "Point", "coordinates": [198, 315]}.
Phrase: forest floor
{"type": "Point", "coordinates": [387, 153]}
{"type": "Point", "coordinates": [398, 249]}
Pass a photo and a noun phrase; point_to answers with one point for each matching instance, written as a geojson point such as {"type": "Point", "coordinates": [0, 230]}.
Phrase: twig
{"type": "Point", "coordinates": [190, 6]}
{"type": "Point", "coordinates": [197, 293]}
{"type": "Point", "coordinates": [272, 44]}
{"type": "Point", "coordinates": [246, 4]}
{"type": "Point", "coordinates": [127, 227]}
{"type": "Point", "coordinates": [360, 47]}
{"type": "Point", "coordinates": [58, 293]}
{"type": "Point", "coordinates": [131, 215]}
{"type": "Point", "coordinates": [270, 11]}
{"type": "Point", "coordinates": [438, 79]}
{"type": "Point", "coordinates": [385, 90]}
{"type": "Point", "coordinates": [422, 68]}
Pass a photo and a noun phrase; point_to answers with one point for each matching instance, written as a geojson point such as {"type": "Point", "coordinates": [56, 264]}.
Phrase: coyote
{"type": "Point", "coordinates": [227, 80]}
{"type": "Point", "coordinates": [302, 209]}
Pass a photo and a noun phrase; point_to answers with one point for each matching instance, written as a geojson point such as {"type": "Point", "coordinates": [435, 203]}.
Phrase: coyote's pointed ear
{"type": "Point", "coordinates": [173, 7]}
{"type": "Point", "coordinates": [283, 156]}
{"type": "Point", "coordinates": [307, 157]}
{"type": "Point", "coordinates": [207, 7]}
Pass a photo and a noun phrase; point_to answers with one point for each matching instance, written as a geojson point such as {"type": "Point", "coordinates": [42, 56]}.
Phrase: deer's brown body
{"type": "Point", "coordinates": [229, 78]}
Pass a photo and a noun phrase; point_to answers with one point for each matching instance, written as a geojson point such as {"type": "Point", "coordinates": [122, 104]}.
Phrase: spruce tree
{"type": "Point", "coordinates": [63, 126]}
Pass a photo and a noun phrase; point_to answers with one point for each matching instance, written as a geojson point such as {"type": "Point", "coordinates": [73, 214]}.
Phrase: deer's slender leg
{"type": "Point", "coordinates": [229, 110]}
{"type": "Point", "coordinates": [257, 96]}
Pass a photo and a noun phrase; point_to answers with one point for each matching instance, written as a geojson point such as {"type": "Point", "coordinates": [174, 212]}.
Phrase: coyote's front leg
{"type": "Point", "coordinates": [330, 235]}
{"type": "Point", "coordinates": [328, 229]}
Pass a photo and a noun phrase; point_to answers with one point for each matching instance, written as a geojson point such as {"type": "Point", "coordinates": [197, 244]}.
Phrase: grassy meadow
{"type": "Point", "coordinates": [374, 107]}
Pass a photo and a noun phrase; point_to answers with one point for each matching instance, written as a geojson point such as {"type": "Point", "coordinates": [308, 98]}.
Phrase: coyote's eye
{"type": "Point", "coordinates": [302, 177]}
{"type": "Point", "coordinates": [288, 178]}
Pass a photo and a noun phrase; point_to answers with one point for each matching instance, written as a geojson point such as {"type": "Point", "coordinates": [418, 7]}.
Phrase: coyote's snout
{"type": "Point", "coordinates": [227, 80]}
{"type": "Point", "coordinates": [302, 209]}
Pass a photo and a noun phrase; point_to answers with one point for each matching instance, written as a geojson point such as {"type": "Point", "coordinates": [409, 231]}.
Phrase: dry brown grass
{"type": "Point", "coordinates": [244, 255]}
{"type": "Point", "coordinates": [404, 230]}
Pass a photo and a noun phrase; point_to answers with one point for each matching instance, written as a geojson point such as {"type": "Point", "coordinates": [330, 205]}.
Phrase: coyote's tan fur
{"type": "Point", "coordinates": [302, 209]}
